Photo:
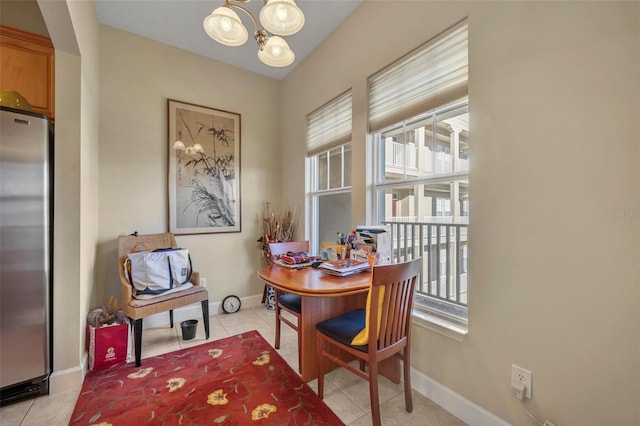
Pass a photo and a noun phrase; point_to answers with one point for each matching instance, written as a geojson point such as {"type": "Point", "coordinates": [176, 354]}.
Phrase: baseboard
{"type": "Point", "coordinates": [470, 413]}
{"type": "Point", "coordinates": [70, 378]}
{"type": "Point", "coordinates": [194, 311]}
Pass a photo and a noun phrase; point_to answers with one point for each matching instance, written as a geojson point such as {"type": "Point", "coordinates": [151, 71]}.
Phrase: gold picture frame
{"type": "Point", "coordinates": [204, 169]}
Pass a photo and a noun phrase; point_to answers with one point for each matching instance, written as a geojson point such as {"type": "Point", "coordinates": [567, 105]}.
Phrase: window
{"type": "Point", "coordinates": [329, 166]}
{"type": "Point", "coordinates": [419, 122]}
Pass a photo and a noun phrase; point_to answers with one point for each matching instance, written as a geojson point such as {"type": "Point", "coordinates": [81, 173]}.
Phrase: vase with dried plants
{"type": "Point", "coordinates": [278, 226]}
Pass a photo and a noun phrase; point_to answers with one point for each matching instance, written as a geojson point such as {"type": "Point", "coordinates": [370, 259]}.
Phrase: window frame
{"type": "Point", "coordinates": [314, 193]}
{"type": "Point", "coordinates": [438, 315]}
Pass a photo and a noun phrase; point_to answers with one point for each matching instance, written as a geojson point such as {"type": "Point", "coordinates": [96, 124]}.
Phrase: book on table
{"type": "Point", "coordinates": [296, 260]}
{"type": "Point", "coordinates": [300, 265]}
{"type": "Point", "coordinates": [342, 267]}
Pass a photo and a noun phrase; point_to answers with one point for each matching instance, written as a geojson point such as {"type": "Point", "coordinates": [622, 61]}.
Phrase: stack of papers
{"type": "Point", "coordinates": [343, 267]}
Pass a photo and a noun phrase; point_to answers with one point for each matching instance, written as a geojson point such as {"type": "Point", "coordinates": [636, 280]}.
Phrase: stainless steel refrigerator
{"type": "Point", "coordinates": [25, 254]}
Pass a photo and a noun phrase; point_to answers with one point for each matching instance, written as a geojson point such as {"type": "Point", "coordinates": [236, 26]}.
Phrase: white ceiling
{"type": "Point", "coordinates": [179, 23]}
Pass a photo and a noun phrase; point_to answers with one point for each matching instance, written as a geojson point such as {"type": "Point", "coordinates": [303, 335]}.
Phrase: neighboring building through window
{"type": "Point", "coordinates": [419, 122]}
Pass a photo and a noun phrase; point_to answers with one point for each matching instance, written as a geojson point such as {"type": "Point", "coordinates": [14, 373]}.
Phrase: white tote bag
{"type": "Point", "coordinates": [158, 271]}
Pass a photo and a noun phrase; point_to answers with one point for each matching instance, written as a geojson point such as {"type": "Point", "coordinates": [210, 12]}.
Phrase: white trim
{"type": "Point", "coordinates": [467, 411]}
{"type": "Point", "coordinates": [439, 325]}
{"type": "Point", "coordinates": [67, 379]}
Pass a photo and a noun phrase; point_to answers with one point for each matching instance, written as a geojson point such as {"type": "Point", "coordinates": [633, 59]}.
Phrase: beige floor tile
{"type": "Point", "coordinates": [12, 414]}
{"type": "Point", "coordinates": [243, 321]}
{"type": "Point", "coordinates": [359, 392]}
{"type": "Point", "coordinates": [53, 409]}
{"type": "Point", "coordinates": [160, 340]}
{"type": "Point", "coordinates": [345, 393]}
{"type": "Point", "coordinates": [343, 407]}
{"type": "Point", "coordinates": [342, 378]}
{"type": "Point", "coordinates": [288, 337]}
{"type": "Point", "coordinates": [425, 413]}
{"type": "Point", "coordinates": [329, 387]}
{"type": "Point", "coordinates": [243, 317]}
{"type": "Point", "coordinates": [234, 329]}
{"type": "Point", "coordinates": [364, 420]}
{"type": "Point", "coordinates": [265, 315]}
{"type": "Point", "coordinates": [267, 332]}
{"type": "Point", "coordinates": [290, 355]}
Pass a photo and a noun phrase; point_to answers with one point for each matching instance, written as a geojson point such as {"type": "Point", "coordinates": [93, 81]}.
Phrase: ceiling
{"type": "Point", "coordinates": [179, 23]}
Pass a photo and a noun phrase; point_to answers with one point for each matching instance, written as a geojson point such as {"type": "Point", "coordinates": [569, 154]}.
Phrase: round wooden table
{"type": "Point", "coordinates": [324, 296]}
{"type": "Point", "coordinates": [312, 282]}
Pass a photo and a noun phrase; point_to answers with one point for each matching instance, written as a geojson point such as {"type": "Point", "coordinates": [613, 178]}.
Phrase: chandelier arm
{"type": "Point", "coordinates": [235, 6]}
{"type": "Point", "coordinates": [259, 34]}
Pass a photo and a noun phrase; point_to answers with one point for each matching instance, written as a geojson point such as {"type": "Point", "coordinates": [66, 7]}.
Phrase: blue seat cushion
{"type": "Point", "coordinates": [345, 327]}
{"type": "Point", "coordinates": [291, 301]}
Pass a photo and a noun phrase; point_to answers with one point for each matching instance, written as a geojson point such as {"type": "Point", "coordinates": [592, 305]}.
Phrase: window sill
{"type": "Point", "coordinates": [445, 327]}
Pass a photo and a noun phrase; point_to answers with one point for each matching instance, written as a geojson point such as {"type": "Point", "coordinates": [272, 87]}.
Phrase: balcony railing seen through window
{"type": "Point", "coordinates": [443, 247]}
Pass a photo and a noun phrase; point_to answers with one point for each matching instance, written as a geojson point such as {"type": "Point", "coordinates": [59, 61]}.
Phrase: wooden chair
{"type": "Point", "coordinates": [394, 338]}
{"type": "Point", "coordinates": [291, 303]}
{"type": "Point", "coordinates": [137, 309]}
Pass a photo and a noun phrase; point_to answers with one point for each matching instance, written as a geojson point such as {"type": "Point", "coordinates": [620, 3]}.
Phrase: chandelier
{"type": "Point", "coordinates": [278, 18]}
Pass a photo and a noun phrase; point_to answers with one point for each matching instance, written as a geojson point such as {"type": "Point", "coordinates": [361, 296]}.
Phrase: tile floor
{"type": "Point", "coordinates": [345, 393]}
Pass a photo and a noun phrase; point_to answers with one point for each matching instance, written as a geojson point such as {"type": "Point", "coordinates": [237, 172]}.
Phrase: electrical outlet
{"type": "Point", "coordinates": [203, 282]}
{"type": "Point", "coordinates": [520, 375]}
{"type": "Point", "coordinates": [518, 390]}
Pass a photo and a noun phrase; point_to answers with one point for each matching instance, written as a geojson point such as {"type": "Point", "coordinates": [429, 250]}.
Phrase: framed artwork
{"type": "Point", "coordinates": [204, 169]}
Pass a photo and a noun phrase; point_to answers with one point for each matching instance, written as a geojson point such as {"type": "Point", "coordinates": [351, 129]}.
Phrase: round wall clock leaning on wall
{"type": "Point", "coordinates": [231, 304]}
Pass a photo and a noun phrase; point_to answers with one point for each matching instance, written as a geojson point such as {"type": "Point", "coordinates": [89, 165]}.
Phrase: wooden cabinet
{"type": "Point", "coordinates": [27, 66]}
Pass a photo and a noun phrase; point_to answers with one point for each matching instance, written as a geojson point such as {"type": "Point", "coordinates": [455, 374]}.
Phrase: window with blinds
{"type": "Point", "coordinates": [432, 75]}
{"type": "Point", "coordinates": [329, 169]}
{"type": "Point", "coordinates": [330, 125]}
{"type": "Point", "coordinates": [419, 124]}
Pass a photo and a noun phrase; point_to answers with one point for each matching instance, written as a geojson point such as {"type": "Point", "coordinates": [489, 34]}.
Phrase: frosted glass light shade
{"type": "Point", "coordinates": [276, 53]}
{"type": "Point", "coordinates": [225, 27]}
{"type": "Point", "coordinates": [282, 17]}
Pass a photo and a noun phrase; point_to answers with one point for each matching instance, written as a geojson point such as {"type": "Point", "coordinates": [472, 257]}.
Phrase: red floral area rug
{"type": "Point", "coordinates": [239, 380]}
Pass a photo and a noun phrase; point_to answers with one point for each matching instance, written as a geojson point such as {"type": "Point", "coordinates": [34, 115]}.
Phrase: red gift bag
{"type": "Point", "coordinates": [109, 345]}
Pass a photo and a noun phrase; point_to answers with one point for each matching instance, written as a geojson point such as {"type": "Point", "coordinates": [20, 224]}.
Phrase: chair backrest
{"type": "Point", "coordinates": [398, 281]}
{"type": "Point", "coordinates": [283, 248]}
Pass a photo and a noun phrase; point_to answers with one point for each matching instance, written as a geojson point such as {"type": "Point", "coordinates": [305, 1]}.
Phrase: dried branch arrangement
{"type": "Point", "coordinates": [278, 226]}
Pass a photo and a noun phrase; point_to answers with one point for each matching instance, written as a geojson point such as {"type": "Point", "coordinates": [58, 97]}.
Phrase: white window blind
{"type": "Point", "coordinates": [330, 125]}
{"type": "Point", "coordinates": [430, 76]}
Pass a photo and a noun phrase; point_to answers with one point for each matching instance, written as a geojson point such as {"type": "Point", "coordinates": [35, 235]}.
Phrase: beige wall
{"type": "Point", "coordinates": [137, 76]}
{"type": "Point", "coordinates": [83, 16]}
{"type": "Point", "coordinates": [74, 30]}
{"type": "Point", "coordinates": [554, 105]}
